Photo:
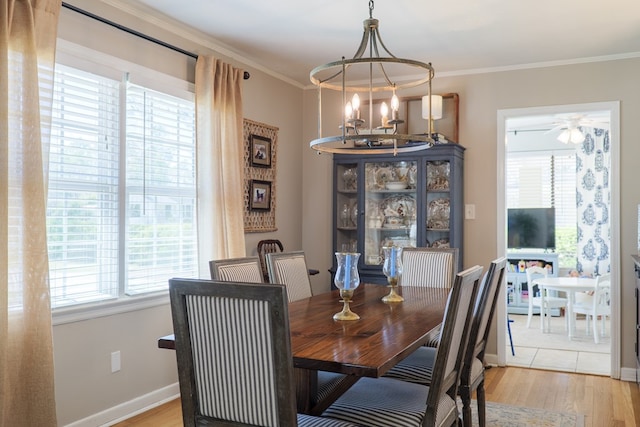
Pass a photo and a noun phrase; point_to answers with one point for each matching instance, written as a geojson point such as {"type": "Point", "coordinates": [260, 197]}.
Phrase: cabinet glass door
{"type": "Point", "coordinates": [347, 205]}
{"type": "Point", "coordinates": [438, 204]}
{"type": "Point", "coordinates": [390, 207]}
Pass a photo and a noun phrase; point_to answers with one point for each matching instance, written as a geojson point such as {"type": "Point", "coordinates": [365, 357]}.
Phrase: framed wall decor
{"type": "Point", "coordinates": [260, 195]}
{"type": "Point", "coordinates": [260, 151]}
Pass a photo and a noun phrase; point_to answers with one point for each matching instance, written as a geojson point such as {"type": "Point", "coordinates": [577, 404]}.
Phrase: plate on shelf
{"type": "Point", "coordinates": [438, 213]}
{"type": "Point", "coordinates": [396, 208]}
{"type": "Point", "coordinates": [438, 176]}
{"type": "Point", "coordinates": [440, 243]}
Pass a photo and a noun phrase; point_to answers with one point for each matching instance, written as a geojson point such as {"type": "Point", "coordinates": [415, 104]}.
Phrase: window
{"type": "Point", "coordinates": [121, 203]}
{"type": "Point", "coordinates": [543, 180]}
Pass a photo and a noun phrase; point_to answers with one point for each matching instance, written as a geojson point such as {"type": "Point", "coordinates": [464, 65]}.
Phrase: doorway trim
{"type": "Point", "coordinates": [614, 112]}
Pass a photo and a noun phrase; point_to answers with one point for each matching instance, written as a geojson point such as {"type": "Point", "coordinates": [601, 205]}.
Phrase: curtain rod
{"type": "Point", "coordinates": [246, 74]}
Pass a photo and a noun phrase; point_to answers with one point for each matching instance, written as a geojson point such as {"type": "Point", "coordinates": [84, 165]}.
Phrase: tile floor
{"type": "Point", "coordinates": [554, 350]}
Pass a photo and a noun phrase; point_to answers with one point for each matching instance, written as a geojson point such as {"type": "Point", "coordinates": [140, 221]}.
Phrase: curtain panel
{"type": "Point", "coordinates": [220, 150]}
{"type": "Point", "coordinates": [27, 53]}
{"type": "Point", "coordinates": [593, 198]}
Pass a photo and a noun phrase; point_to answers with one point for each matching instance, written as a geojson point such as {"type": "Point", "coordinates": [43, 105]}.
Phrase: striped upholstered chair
{"type": "Point", "coordinates": [418, 367]}
{"type": "Point", "coordinates": [388, 402]}
{"type": "Point", "coordinates": [237, 270]}
{"type": "Point", "coordinates": [290, 269]}
{"type": "Point", "coordinates": [229, 381]}
{"type": "Point", "coordinates": [431, 267]}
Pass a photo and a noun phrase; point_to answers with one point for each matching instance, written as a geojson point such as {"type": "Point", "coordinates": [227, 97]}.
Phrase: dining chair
{"type": "Point", "coordinates": [535, 300]}
{"type": "Point", "coordinates": [390, 402]}
{"type": "Point", "coordinates": [246, 269]}
{"type": "Point", "coordinates": [431, 267]}
{"type": "Point", "coordinates": [229, 381]}
{"type": "Point", "coordinates": [418, 367]}
{"type": "Point", "coordinates": [268, 246]}
{"type": "Point", "coordinates": [596, 305]}
{"type": "Point", "coordinates": [290, 269]}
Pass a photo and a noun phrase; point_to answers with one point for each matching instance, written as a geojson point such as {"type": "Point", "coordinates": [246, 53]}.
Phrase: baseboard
{"type": "Point", "coordinates": [131, 408]}
{"type": "Point", "coordinates": [628, 374]}
{"type": "Point", "coordinates": [491, 359]}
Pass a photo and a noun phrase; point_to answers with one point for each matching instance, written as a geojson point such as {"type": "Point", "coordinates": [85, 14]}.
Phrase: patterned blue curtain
{"type": "Point", "coordinates": [593, 198]}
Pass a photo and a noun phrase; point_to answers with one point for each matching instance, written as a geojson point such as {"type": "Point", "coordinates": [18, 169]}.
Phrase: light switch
{"type": "Point", "coordinates": [469, 211]}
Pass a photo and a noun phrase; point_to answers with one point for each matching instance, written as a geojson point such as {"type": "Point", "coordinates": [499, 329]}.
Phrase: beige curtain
{"type": "Point", "coordinates": [27, 46]}
{"type": "Point", "coordinates": [220, 155]}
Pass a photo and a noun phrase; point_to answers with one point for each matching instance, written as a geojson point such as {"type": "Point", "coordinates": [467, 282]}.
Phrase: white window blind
{"type": "Point", "coordinates": [82, 209]}
{"type": "Point", "coordinates": [121, 215]}
{"type": "Point", "coordinates": [543, 180]}
{"type": "Point", "coordinates": [161, 213]}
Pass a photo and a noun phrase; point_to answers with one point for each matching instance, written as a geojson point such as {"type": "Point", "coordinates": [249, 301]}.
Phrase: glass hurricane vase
{"type": "Point", "coordinates": [347, 280]}
{"type": "Point", "coordinates": [392, 268]}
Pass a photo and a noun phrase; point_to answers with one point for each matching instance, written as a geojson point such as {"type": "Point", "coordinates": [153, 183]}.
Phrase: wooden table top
{"type": "Point", "coordinates": [370, 346]}
{"type": "Point", "coordinates": [384, 335]}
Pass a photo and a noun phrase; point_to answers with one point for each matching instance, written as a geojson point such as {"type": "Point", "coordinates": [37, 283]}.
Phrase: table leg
{"type": "Point", "coordinates": [572, 320]}
{"type": "Point", "coordinates": [542, 308]}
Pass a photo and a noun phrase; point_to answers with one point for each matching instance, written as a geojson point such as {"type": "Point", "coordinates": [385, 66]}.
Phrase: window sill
{"type": "Point", "coordinates": [125, 304]}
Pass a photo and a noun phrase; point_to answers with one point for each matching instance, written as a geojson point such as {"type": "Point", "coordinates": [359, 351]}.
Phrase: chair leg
{"type": "Point", "coordinates": [465, 396]}
{"type": "Point", "coordinates": [595, 328]}
{"type": "Point", "coordinates": [509, 322]}
{"type": "Point", "coordinates": [529, 316]}
{"type": "Point", "coordinates": [481, 405]}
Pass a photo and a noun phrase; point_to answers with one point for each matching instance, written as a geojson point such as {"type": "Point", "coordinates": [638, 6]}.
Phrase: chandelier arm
{"type": "Point", "coordinates": [363, 43]}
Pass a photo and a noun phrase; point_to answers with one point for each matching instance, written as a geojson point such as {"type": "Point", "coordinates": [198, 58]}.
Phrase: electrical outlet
{"type": "Point", "coordinates": [115, 361]}
{"type": "Point", "coordinates": [469, 211]}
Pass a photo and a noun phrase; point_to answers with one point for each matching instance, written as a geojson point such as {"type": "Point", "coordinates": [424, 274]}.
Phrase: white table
{"type": "Point", "coordinates": [570, 285]}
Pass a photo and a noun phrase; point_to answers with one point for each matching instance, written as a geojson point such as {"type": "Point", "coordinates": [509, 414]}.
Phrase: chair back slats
{"type": "Point", "coordinates": [431, 267]}
{"type": "Point", "coordinates": [267, 246]}
{"type": "Point", "coordinates": [234, 353]}
{"type": "Point", "coordinates": [455, 327]}
{"type": "Point", "coordinates": [245, 269]}
{"type": "Point", "coordinates": [290, 269]}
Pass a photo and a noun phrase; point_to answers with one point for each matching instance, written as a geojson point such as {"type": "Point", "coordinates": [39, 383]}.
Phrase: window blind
{"type": "Point", "coordinates": [82, 220]}
{"type": "Point", "coordinates": [161, 239]}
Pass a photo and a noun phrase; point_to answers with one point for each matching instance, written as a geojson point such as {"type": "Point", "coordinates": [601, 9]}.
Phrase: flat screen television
{"type": "Point", "coordinates": [532, 228]}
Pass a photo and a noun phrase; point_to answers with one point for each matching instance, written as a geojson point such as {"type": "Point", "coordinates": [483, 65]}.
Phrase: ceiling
{"type": "Point", "coordinates": [291, 37]}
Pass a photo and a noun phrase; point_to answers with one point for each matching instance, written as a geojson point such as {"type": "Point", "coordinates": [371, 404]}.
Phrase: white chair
{"type": "Point", "coordinates": [245, 269]}
{"type": "Point", "coordinates": [290, 269]}
{"type": "Point", "coordinates": [535, 299]}
{"type": "Point", "coordinates": [596, 305]}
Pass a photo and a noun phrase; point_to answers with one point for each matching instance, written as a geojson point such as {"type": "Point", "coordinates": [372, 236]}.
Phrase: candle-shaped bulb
{"type": "Point", "coordinates": [395, 105]}
{"type": "Point", "coordinates": [348, 111]}
{"type": "Point", "coordinates": [384, 112]}
{"type": "Point", "coordinates": [355, 102]}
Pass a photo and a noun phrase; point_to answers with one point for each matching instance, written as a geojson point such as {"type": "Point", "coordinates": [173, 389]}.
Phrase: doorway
{"type": "Point", "coordinates": [547, 120]}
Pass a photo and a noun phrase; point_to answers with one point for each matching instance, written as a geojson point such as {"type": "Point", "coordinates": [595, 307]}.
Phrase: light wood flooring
{"type": "Point", "coordinates": [604, 402]}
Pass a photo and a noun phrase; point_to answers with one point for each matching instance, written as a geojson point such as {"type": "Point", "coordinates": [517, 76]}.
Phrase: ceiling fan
{"type": "Point", "coordinates": [570, 127]}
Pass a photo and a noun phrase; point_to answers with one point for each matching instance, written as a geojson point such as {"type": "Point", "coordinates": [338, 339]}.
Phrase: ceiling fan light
{"type": "Point", "coordinates": [577, 137]}
{"type": "Point", "coordinates": [564, 136]}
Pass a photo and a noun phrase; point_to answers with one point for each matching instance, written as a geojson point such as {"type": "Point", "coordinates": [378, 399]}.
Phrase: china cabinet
{"type": "Point", "coordinates": [412, 199]}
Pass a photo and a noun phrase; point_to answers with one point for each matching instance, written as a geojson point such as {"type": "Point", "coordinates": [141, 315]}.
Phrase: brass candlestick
{"type": "Point", "coordinates": [393, 295]}
{"type": "Point", "coordinates": [346, 313]}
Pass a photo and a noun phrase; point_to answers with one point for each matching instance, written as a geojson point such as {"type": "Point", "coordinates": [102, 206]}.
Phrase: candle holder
{"type": "Point", "coordinates": [347, 280]}
{"type": "Point", "coordinates": [392, 268]}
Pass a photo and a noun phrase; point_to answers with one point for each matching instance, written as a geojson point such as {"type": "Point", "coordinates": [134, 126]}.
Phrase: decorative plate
{"type": "Point", "coordinates": [438, 214]}
{"type": "Point", "coordinates": [438, 176]}
{"type": "Point", "coordinates": [396, 208]}
{"type": "Point", "coordinates": [440, 243]}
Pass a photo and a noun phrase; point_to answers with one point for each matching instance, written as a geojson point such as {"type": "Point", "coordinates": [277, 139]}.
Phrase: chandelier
{"type": "Point", "coordinates": [370, 75]}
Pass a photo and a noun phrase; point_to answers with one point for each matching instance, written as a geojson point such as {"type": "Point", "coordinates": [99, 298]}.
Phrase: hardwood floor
{"type": "Point", "coordinates": [604, 401]}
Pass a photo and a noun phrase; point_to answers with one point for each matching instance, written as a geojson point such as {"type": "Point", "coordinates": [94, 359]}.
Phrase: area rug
{"type": "Point", "coordinates": [501, 415]}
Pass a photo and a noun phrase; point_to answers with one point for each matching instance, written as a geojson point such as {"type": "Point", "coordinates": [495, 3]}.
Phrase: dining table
{"type": "Point", "coordinates": [384, 335]}
{"type": "Point", "coordinates": [570, 285]}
